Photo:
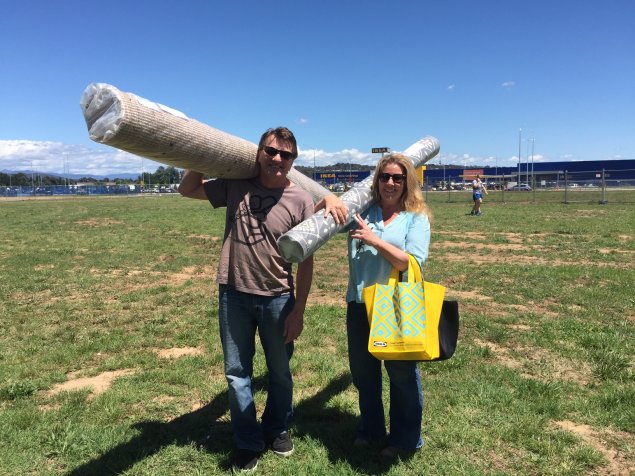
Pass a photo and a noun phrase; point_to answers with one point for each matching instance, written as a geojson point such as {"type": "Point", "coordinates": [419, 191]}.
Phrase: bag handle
{"type": "Point", "coordinates": [413, 276]}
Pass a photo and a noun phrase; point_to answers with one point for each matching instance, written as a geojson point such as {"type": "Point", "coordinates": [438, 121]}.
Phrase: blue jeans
{"type": "Point", "coordinates": [406, 395]}
{"type": "Point", "coordinates": [240, 314]}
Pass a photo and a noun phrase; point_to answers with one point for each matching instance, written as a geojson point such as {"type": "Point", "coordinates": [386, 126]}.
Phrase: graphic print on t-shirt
{"type": "Point", "coordinates": [249, 222]}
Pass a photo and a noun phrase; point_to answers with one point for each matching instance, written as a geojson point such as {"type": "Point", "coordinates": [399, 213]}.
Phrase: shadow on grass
{"type": "Point", "coordinates": [334, 428]}
{"type": "Point", "coordinates": [199, 427]}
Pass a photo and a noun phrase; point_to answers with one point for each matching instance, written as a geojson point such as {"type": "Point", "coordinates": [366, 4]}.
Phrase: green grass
{"type": "Point", "coordinates": [543, 381]}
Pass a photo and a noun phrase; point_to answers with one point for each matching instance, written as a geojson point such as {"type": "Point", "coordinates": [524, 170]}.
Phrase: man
{"type": "Point", "coordinates": [256, 290]}
{"type": "Point", "coordinates": [478, 188]}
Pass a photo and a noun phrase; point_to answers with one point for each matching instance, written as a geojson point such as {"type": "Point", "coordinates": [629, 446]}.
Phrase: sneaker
{"type": "Point", "coordinates": [478, 214]}
{"type": "Point", "coordinates": [282, 445]}
{"type": "Point", "coordinates": [245, 461]}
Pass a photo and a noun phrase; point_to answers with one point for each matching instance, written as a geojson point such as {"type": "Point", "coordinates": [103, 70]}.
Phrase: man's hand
{"type": "Point", "coordinates": [294, 325]}
{"type": "Point", "coordinates": [333, 205]}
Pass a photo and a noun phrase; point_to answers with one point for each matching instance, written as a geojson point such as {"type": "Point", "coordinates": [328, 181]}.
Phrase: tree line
{"type": "Point", "coordinates": [162, 176]}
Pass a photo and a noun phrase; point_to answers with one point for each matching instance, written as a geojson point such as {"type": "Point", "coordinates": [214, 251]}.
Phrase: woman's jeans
{"type": "Point", "coordinates": [406, 395]}
{"type": "Point", "coordinates": [240, 314]}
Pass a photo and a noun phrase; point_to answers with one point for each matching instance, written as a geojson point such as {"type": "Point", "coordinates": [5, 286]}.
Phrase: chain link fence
{"type": "Point", "coordinates": [84, 190]}
{"type": "Point", "coordinates": [566, 187]}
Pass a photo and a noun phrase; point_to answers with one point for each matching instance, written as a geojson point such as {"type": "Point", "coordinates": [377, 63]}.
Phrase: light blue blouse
{"type": "Point", "coordinates": [408, 231]}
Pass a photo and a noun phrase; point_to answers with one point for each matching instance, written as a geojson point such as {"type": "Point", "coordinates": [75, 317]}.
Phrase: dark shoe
{"type": "Point", "coordinates": [282, 445]}
{"type": "Point", "coordinates": [245, 461]}
{"type": "Point", "coordinates": [361, 442]}
{"type": "Point", "coordinates": [389, 452]}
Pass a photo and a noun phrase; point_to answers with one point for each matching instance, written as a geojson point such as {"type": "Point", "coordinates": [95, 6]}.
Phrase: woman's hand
{"type": "Point", "coordinates": [364, 232]}
{"type": "Point", "coordinates": [398, 258]}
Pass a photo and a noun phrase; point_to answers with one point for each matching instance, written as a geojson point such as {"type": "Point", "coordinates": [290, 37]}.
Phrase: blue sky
{"type": "Point", "coordinates": [345, 76]}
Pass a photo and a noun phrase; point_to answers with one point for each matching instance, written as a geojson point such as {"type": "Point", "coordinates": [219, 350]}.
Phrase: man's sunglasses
{"type": "Point", "coordinates": [272, 152]}
{"type": "Point", "coordinates": [396, 178]}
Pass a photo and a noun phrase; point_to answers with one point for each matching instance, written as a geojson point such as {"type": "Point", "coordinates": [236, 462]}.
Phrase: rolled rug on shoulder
{"type": "Point", "coordinates": [305, 239]}
{"type": "Point", "coordinates": [148, 129]}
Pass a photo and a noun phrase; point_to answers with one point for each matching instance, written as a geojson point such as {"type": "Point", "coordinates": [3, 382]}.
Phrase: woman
{"type": "Point", "coordinates": [478, 188]}
{"type": "Point", "coordinates": [396, 225]}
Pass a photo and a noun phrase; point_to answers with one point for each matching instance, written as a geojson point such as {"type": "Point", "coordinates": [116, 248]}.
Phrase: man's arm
{"type": "Point", "coordinates": [191, 185]}
{"type": "Point", "coordinates": [295, 321]}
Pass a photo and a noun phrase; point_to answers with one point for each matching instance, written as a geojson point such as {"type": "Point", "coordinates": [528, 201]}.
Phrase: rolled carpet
{"type": "Point", "coordinates": [136, 125]}
{"type": "Point", "coordinates": [306, 238]}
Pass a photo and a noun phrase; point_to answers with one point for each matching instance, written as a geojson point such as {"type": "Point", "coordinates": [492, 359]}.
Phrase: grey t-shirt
{"type": "Point", "coordinates": [256, 217]}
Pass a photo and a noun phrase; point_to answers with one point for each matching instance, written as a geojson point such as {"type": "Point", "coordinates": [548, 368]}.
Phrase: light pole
{"type": "Point", "coordinates": [444, 185]}
{"type": "Point", "coordinates": [532, 162]}
{"type": "Point", "coordinates": [519, 156]}
{"type": "Point", "coordinates": [527, 162]}
{"type": "Point", "coordinates": [496, 169]}
{"type": "Point", "coordinates": [32, 179]}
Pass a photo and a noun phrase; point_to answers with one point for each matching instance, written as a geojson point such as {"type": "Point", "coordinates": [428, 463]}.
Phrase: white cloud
{"type": "Point", "coordinates": [451, 87]}
{"type": "Point", "coordinates": [508, 84]}
{"type": "Point", "coordinates": [58, 158]}
{"type": "Point", "coordinates": [306, 157]}
{"type": "Point", "coordinates": [468, 160]}
{"type": "Point", "coordinates": [303, 120]}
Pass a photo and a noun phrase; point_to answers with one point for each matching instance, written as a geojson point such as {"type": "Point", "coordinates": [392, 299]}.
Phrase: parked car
{"type": "Point", "coordinates": [523, 187]}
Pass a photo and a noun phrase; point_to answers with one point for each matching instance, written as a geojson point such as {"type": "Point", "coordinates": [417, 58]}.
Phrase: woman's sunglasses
{"type": "Point", "coordinates": [272, 152]}
{"type": "Point", "coordinates": [396, 178]}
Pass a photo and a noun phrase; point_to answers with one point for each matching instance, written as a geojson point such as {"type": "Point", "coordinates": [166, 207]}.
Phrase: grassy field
{"type": "Point", "coordinates": [110, 361]}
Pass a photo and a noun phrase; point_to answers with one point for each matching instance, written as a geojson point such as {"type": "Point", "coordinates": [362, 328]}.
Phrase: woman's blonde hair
{"type": "Point", "coordinates": [412, 198]}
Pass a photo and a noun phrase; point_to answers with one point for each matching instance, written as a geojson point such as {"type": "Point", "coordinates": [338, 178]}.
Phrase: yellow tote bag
{"type": "Point", "coordinates": [404, 316]}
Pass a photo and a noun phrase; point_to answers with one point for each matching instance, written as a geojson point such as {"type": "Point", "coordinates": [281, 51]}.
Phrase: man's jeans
{"type": "Point", "coordinates": [406, 395]}
{"type": "Point", "coordinates": [240, 314]}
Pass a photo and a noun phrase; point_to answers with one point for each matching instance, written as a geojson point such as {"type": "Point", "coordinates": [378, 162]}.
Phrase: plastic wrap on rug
{"type": "Point", "coordinates": [306, 238]}
{"type": "Point", "coordinates": [157, 132]}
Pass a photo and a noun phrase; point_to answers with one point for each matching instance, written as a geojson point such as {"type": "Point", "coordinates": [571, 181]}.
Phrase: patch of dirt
{"type": "Point", "coordinates": [487, 246]}
{"type": "Point", "coordinates": [96, 223]}
{"type": "Point", "coordinates": [606, 251]}
{"type": "Point", "coordinates": [98, 384]}
{"type": "Point", "coordinates": [459, 295]}
{"type": "Point", "coordinates": [474, 235]}
{"type": "Point", "coordinates": [517, 259]}
{"type": "Point", "coordinates": [327, 297]}
{"type": "Point", "coordinates": [618, 463]}
{"type": "Point", "coordinates": [127, 280]}
{"type": "Point", "coordinates": [42, 267]}
{"type": "Point", "coordinates": [520, 327]}
{"type": "Point", "coordinates": [205, 237]}
{"type": "Point", "coordinates": [539, 363]}
{"type": "Point", "coordinates": [189, 272]}
{"type": "Point", "coordinates": [590, 213]}
{"type": "Point", "coordinates": [176, 352]}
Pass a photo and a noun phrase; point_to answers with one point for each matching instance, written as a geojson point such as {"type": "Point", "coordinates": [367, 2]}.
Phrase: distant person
{"type": "Point", "coordinates": [397, 224]}
{"type": "Point", "coordinates": [478, 188]}
{"type": "Point", "coordinates": [257, 292]}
